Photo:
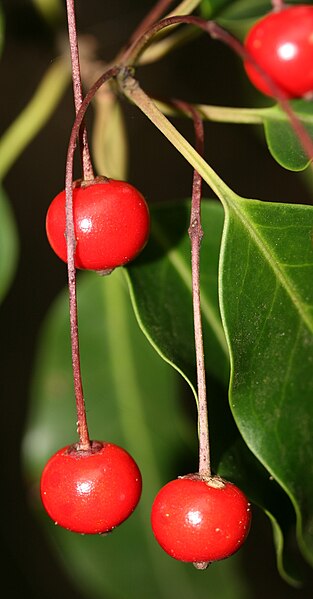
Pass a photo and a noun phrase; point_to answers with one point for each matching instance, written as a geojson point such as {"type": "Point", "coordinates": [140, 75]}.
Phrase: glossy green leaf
{"type": "Point", "coordinates": [161, 290]}
{"type": "Point", "coordinates": [267, 304]}
{"type": "Point", "coordinates": [282, 141]}
{"type": "Point", "coordinates": [8, 244]}
{"type": "Point", "coordinates": [132, 399]}
{"type": "Point", "coordinates": [161, 286]}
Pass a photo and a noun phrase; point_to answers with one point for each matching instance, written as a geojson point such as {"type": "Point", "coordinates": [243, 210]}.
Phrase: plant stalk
{"type": "Point", "coordinates": [77, 88]}
{"type": "Point", "coordinates": [153, 15]}
{"type": "Point", "coordinates": [195, 232]}
{"type": "Point", "coordinates": [82, 426]}
{"type": "Point", "coordinates": [278, 5]}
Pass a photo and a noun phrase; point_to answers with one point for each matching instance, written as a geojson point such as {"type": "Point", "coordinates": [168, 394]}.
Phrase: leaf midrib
{"type": "Point", "coordinates": [271, 258]}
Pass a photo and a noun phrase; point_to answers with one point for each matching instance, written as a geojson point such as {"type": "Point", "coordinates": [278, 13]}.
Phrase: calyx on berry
{"type": "Point", "coordinates": [200, 520]}
{"type": "Point", "coordinates": [111, 222]}
{"type": "Point", "coordinates": [92, 491]}
{"type": "Point", "coordinates": [281, 44]}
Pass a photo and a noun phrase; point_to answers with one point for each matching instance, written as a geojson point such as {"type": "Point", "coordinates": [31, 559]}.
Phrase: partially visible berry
{"type": "Point", "coordinates": [281, 44]}
{"type": "Point", "coordinates": [90, 492]}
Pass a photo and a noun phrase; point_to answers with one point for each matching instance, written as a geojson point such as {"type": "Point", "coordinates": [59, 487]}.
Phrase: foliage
{"type": "Point", "coordinates": [137, 339]}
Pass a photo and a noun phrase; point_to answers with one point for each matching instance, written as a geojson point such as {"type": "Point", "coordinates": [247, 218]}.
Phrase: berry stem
{"type": "Point", "coordinates": [77, 87]}
{"type": "Point", "coordinates": [278, 5]}
{"type": "Point", "coordinates": [195, 232]}
{"type": "Point", "coordinates": [152, 16]}
{"type": "Point", "coordinates": [82, 427]}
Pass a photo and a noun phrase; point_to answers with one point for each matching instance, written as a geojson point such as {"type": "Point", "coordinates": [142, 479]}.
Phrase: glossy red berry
{"type": "Point", "coordinates": [200, 521]}
{"type": "Point", "coordinates": [111, 220]}
{"type": "Point", "coordinates": [281, 43]}
{"type": "Point", "coordinates": [90, 492]}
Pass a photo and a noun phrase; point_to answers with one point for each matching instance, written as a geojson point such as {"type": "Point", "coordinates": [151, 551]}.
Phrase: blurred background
{"type": "Point", "coordinates": [195, 72]}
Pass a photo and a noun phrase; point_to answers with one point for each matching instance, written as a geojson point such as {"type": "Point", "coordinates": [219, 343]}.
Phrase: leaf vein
{"type": "Point", "coordinates": [272, 260]}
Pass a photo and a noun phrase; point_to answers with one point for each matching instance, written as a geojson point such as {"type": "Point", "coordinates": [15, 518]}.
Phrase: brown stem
{"type": "Point", "coordinates": [195, 232]}
{"type": "Point", "coordinates": [77, 88]}
{"type": "Point", "coordinates": [82, 427]}
{"type": "Point", "coordinates": [278, 5]}
{"type": "Point", "coordinates": [157, 10]}
{"type": "Point", "coordinates": [216, 32]}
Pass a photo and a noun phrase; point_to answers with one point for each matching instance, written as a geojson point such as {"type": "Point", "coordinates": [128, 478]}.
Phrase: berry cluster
{"type": "Point", "coordinates": [93, 490]}
{"type": "Point", "coordinates": [92, 487]}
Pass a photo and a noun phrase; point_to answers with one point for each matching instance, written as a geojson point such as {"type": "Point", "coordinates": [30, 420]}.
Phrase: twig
{"type": "Point", "coordinates": [77, 87]}
{"type": "Point", "coordinates": [195, 232]}
{"type": "Point", "coordinates": [71, 246]}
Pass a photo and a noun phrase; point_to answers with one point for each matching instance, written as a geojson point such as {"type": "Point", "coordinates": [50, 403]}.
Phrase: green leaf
{"type": "Point", "coordinates": [282, 141]}
{"type": "Point", "coordinates": [161, 291]}
{"type": "Point", "coordinates": [208, 8]}
{"type": "Point", "coordinates": [161, 277]}
{"type": "Point", "coordinates": [267, 301]}
{"type": "Point", "coordinates": [132, 399]}
{"type": "Point", "coordinates": [8, 244]}
{"type": "Point", "coordinates": [239, 16]}
{"type": "Point", "coordinates": [245, 9]}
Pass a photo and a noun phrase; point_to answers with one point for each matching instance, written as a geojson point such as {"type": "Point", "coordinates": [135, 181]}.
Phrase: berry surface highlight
{"type": "Point", "coordinates": [90, 492]}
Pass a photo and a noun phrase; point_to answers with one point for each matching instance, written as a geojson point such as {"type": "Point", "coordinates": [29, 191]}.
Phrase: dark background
{"type": "Point", "coordinates": [195, 73]}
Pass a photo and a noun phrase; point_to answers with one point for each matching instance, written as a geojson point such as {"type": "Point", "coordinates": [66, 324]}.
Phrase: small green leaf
{"type": "Point", "coordinates": [267, 305]}
{"type": "Point", "coordinates": [282, 141]}
{"type": "Point", "coordinates": [8, 244]}
{"type": "Point", "coordinates": [239, 16]}
{"type": "Point", "coordinates": [132, 399]}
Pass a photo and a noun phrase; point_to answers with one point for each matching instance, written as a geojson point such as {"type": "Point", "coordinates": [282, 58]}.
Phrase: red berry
{"type": "Point", "coordinates": [200, 521]}
{"type": "Point", "coordinates": [92, 491]}
{"type": "Point", "coordinates": [111, 220]}
{"type": "Point", "coordinates": [281, 43]}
